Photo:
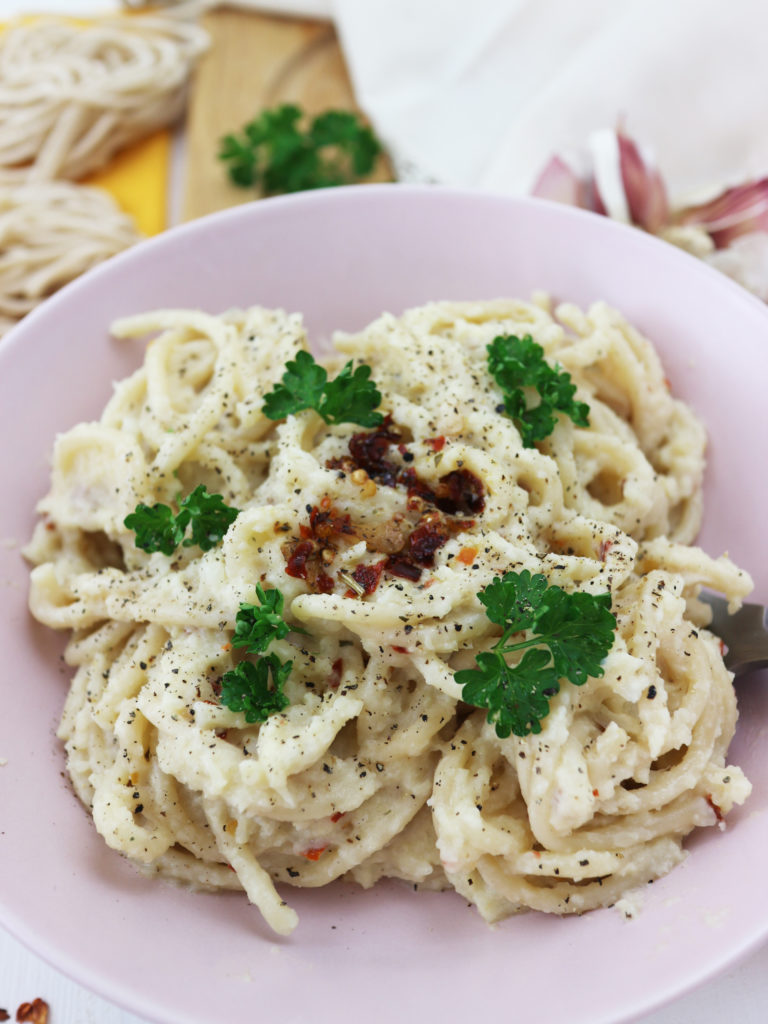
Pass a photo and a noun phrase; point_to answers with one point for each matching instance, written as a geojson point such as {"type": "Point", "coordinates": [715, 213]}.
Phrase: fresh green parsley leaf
{"type": "Point", "coordinates": [351, 397]}
{"type": "Point", "coordinates": [518, 365]}
{"type": "Point", "coordinates": [158, 529]}
{"type": "Point", "coordinates": [208, 517]}
{"type": "Point", "coordinates": [275, 152]}
{"type": "Point", "coordinates": [571, 634]}
{"type": "Point", "coordinates": [517, 698]}
{"type": "Point", "coordinates": [256, 626]}
{"type": "Point", "coordinates": [301, 388]}
{"type": "Point", "coordinates": [513, 604]}
{"type": "Point", "coordinates": [246, 688]}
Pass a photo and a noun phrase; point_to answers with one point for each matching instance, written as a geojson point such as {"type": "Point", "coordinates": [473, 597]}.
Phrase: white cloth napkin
{"type": "Point", "coordinates": [484, 93]}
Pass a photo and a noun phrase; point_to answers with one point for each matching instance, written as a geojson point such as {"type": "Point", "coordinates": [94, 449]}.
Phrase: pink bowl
{"type": "Point", "coordinates": [342, 257]}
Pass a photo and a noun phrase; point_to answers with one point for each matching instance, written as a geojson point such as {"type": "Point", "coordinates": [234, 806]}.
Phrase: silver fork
{"type": "Point", "coordinates": [745, 633]}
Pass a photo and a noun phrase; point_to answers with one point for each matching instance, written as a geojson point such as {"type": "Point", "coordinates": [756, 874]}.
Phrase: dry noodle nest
{"type": "Point", "coordinates": [73, 95]}
{"type": "Point", "coordinates": [50, 233]}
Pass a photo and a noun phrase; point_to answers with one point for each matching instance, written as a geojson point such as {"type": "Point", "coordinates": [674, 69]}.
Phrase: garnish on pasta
{"type": "Point", "coordinates": [577, 629]}
{"type": "Point", "coordinates": [157, 528]}
{"type": "Point", "coordinates": [257, 625]}
{"type": "Point", "coordinates": [518, 365]}
{"type": "Point", "coordinates": [350, 397]}
{"type": "Point", "coordinates": [246, 688]}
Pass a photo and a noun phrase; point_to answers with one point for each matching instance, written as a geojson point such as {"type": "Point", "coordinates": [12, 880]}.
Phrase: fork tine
{"type": "Point", "coordinates": [745, 633]}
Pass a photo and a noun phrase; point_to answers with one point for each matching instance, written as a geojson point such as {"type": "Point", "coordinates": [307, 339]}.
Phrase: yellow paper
{"type": "Point", "coordinates": [138, 179]}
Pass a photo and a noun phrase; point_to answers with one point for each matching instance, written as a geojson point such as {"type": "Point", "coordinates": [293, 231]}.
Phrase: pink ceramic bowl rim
{"type": "Point", "coordinates": [343, 256]}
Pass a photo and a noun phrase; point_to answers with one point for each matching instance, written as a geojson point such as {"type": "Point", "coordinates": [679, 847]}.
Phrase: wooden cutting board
{"type": "Point", "coordinates": [255, 61]}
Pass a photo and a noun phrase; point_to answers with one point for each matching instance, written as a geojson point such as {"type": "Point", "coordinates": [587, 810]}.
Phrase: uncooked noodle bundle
{"type": "Point", "coordinates": [377, 767]}
{"type": "Point", "coordinates": [51, 232]}
{"type": "Point", "coordinates": [72, 95]}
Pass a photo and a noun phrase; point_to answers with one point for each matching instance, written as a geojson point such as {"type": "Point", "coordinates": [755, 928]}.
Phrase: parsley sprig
{"type": "Point", "coordinates": [518, 365]}
{"type": "Point", "coordinates": [157, 528]}
{"type": "Point", "coordinates": [257, 625]}
{"type": "Point", "coordinates": [569, 636]}
{"type": "Point", "coordinates": [351, 397]}
{"type": "Point", "coordinates": [246, 688]}
{"type": "Point", "coordinates": [275, 152]}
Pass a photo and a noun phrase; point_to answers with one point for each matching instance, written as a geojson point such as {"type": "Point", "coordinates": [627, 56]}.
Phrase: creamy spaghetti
{"type": "Point", "coordinates": [377, 768]}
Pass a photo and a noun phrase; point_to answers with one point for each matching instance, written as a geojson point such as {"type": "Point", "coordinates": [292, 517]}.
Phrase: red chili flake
{"type": "Point", "coordinates": [425, 540]}
{"type": "Point", "coordinates": [328, 522]}
{"type": "Point", "coordinates": [324, 583]}
{"type": "Point", "coordinates": [435, 443]}
{"type": "Point", "coordinates": [536, 854]}
{"type": "Point", "coordinates": [297, 559]}
{"type": "Point", "coordinates": [335, 677]}
{"type": "Point", "coordinates": [595, 792]}
{"type": "Point", "coordinates": [457, 493]}
{"type": "Point", "coordinates": [399, 649]}
{"type": "Point", "coordinates": [419, 550]}
{"type": "Point", "coordinates": [369, 450]}
{"type": "Point", "coordinates": [416, 487]}
{"type": "Point", "coordinates": [368, 576]}
{"type": "Point", "coordinates": [460, 492]}
{"type": "Point", "coordinates": [337, 815]}
{"type": "Point", "coordinates": [344, 463]}
{"type": "Point", "coordinates": [304, 558]}
{"type": "Point", "coordinates": [304, 563]}
{"type": "Point", "coordinates": [35, 1012]}
{"type": "Point", "coordinates": [718, 812]}
{"type": "Point", "coordinates": [466, 556]}
{"type": "Point", "coordinates": [604, 548]}
{"type": "Point", "coordinates": [50, 526]}
{"type": "Point", "coordinates": [397, 566]}
{"type": "Point", "coordinates": [315, 852]}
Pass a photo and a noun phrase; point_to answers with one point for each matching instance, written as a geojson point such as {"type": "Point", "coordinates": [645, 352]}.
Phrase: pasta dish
{"type": "Point", "coordinates": [348, 593]}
